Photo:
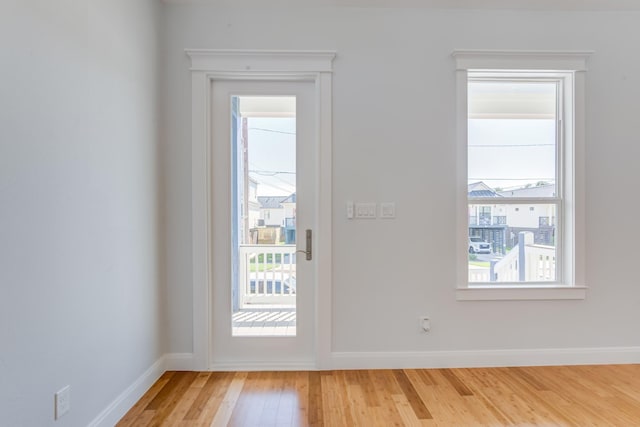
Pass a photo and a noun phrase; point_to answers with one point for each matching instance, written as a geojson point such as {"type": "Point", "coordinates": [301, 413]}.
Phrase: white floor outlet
{"type": "Point", "coordinates": [62, 401]}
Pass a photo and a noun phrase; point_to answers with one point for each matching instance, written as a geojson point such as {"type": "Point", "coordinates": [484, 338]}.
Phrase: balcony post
{"type": "Point", "coordinates": [524, 238]}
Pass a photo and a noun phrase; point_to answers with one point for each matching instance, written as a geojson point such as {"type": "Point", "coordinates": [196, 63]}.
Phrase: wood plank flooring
{"type": "Point", "coordinates": [604, 395]}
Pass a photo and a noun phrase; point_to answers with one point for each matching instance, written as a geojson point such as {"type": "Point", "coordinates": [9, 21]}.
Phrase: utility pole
{"type": "Point", "coordinates": [245, 181]}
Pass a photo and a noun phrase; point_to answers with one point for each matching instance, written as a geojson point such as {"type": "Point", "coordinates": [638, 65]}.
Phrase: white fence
{"type": "Point", "coordinates": [267, 274]}
{"type": "Point", "coordinates": [540, 262]}
{"type": "Point", "coordinates": [506, 270]}
{"type": "Point", "coordinates": [527, 263]}
{"type": "Point", "coordinates": [479, 274]}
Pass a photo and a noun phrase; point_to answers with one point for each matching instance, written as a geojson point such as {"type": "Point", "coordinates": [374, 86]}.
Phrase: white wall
{"type": "Point", "coordinates": [394, 140]}
{"type": "Point", "coordinates": [80, 249]}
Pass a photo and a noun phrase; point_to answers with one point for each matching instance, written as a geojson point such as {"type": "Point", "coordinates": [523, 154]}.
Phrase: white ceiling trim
{"type": "Point", "coordinates": [532, 5]}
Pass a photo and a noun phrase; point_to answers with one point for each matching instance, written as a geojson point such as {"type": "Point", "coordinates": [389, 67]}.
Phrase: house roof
{"type": "Point", "coordinates": [271, 202]}
{"type": "Point", "coordinates": [290, 199]}
{"type": "Point", "coordinates": [480, 189]}
{"type": "Point", "coordinates": [547, 190]}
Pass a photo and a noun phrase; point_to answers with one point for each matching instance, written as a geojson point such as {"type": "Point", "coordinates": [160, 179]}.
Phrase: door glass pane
{"type": "Point", "coordinates": [264, 216]}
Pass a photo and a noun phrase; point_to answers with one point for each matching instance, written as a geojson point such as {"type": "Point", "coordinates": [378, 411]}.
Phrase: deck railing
{"type": "Point", "coordinates": [506, 270]}
{"type": "Point", "coordinates": [478, 274]}
{"type": "Point", "coordinates": [526, 262]}
{"type": "Point", "coordinates": [267, 274]}
{"type": "Point", "coordinates": [541, 263]}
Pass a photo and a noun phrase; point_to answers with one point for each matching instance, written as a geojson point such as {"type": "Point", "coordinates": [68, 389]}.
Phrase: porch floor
{"type": "Point", "coordinates": [264, 321]}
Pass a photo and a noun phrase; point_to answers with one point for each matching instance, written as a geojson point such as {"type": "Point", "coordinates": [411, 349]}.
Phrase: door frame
{"type": "Point", "coordinates": [206, 67]}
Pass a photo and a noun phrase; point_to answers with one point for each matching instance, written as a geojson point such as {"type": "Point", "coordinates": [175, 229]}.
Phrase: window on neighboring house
{"type": "Point", "coordinates": [485, 215]}
{"type": "Point", "coordinates": [521, 143]}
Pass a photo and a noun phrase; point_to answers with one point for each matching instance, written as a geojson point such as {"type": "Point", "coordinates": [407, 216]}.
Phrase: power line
{"type": "Point", "coordinates": [273, 130]}
{"type": "Point", "coordinates": [290, 190]}
{"type": "Point", "coordinates": [270, 173]}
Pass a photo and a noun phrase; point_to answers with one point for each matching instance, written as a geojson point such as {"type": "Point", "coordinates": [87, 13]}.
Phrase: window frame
{"type": "Point", "coordinates": [570, 254]}
{"type": "Point", "coordinates": [563, 81]}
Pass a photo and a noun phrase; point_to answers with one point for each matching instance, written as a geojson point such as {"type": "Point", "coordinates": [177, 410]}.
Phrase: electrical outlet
{"type": "Point", "coordinates": [425, 324]}
{"type": "Point", "coordinates": [62, 401]}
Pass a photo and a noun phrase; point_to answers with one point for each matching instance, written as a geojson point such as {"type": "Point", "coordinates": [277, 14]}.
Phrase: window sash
{"type": "Point", "coordinates": [506, 77]}
{"type": "Point", "coordinates": [559, 78]}
{"type": "Point", "coordinates": [558, 241]}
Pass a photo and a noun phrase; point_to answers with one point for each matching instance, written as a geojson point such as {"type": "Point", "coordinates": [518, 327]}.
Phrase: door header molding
{"type": "Point", "coordinates": [226, 60]}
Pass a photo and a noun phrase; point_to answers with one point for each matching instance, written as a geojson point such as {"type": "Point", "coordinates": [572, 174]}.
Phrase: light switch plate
{"type": "Point", "coordinates": [366, 210]}
{"type": "Point", "coordinates": [387, 210]}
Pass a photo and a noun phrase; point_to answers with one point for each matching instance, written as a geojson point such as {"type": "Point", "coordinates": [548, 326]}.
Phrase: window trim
{"type": "Point", "coordinates": [572, 283]}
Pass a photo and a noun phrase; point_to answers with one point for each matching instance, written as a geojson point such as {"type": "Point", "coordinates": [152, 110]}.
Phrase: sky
{"type": "Point", "coordinates": [503, 153]}
{"type": "Point", "coordinates": [272, 155]}
{"type": "Point", "coordinates": [510, 153]}
{"type": "Point", "coordinates": [512, 132]}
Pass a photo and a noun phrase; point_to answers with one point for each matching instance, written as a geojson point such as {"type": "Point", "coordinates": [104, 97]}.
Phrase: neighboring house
{"type": "Point", "coordinates": [480, 189]}
{"type": "Point", "coordinates": [289, 205]}
{"type": "Point", "coordinates": [279, 211]}
{"type": "Point", "coordinates": [488, 222]}
{"type": "Point", "coordinates": [540, 219]}
{"type": "Point", "coordinates": [249, 209]}
{"type": "Point", "coordinates": [499, 224]}
{"type": "Point", "coordinates": [271, 210]}
{"type": "Point", "coordinates": [254, 205]}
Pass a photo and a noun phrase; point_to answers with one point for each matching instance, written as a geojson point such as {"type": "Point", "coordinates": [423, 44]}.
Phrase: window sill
{"type": "Point", "coordinates": [502, 293]}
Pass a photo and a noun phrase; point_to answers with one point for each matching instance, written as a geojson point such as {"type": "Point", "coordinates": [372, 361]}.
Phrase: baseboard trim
{"type": "Point", "coordinates": [485, 358]}
{"type": "Point", "coordinates": [264, 366]}
{"type": "Point", "coordinates": [125, 401]}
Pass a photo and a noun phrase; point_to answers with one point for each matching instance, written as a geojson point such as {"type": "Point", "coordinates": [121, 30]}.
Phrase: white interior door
{"type": "Point", "coordinates": [264, 177]}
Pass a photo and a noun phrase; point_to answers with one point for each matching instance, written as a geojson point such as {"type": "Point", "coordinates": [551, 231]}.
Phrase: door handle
{"type": "Point", "coordinates": [309, 243]}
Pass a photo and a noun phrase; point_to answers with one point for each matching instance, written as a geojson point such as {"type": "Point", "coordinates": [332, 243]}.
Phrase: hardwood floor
{"type": "Point", "coordinates": [606, 395]}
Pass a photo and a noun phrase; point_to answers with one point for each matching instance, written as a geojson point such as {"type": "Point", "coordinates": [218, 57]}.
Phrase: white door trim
{"type": "Point", "coordinates": [206, 67]}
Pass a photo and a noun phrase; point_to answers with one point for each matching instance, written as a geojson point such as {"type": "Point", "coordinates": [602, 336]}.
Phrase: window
{"type": "Point", "coordinates": [520, 144]}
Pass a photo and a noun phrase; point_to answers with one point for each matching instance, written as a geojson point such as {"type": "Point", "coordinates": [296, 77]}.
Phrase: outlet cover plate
{"type": "Point", "coordinates": [62, 401]}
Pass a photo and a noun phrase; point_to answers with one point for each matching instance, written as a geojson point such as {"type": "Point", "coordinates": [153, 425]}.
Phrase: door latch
{"type": "Point", "coordinates": [309, 242]}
